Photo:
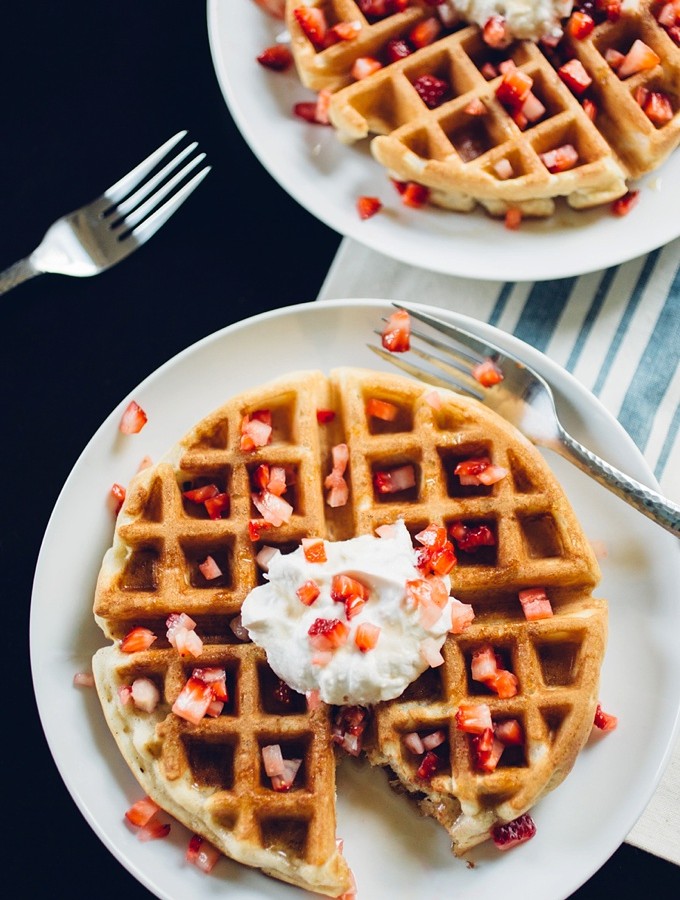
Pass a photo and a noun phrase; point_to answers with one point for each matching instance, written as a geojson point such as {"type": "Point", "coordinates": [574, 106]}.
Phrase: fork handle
{"type": "Point", "coordinates": [21, 271]}
{"type": "Point", "coordinates": [661, 510]}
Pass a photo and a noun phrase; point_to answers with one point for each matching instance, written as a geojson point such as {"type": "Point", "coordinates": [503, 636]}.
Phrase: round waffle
{"type": "Point", "coordinates": [210, 775]}
{"type": "Point", "coordinates": [490, 156]}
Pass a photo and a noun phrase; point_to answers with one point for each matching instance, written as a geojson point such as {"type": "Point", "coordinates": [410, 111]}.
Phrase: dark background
{"type": "Point", "coordinates": [87, 90]}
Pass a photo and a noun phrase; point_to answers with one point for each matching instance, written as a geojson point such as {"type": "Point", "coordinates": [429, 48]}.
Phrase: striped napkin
{"type": "Point", "coordinates": [618, 332]}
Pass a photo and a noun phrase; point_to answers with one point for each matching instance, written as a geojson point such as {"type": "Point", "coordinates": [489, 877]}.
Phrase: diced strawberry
{"type": "Point", "coordinates": [218, 506]}
{"type": "Point", "coordinates": [503, 168]}
{"type": "Point", "coordinates": [314, 550]}
{"type": "Point", "coordinates": [256, 527]}
{"type": "Point", "coordinates": [434, 739]}
{"type": "Point", "coordinates": [434, 537]}
{"type": "Point", "coordinates": [216, 677]}
{"type": "Point", "coordinates": [512, 833]}
{"type": "Point", "coordinates": [510, 732]}
{"type": "Point", "coordinates": [487, 373]}
{"type": "Point", "coordinates": [312, 21]}
{"type": "Point", "coordinates": [560, 159]}
{"type": "Point", "coordinates": [658, 108]}
{"type": "Point", "coordinates": [415, 195]}
{"type": "Point", "coordinates": [535, 604]}
{"type": "Point", "coordinates": [514, 89]}
{"type": "Point", "coordinates": [470, 539]}
{"type": "Point", "coordinates": [396, 336]}
{"type": "Point", "coordinates": [462, 615]}
{"type": "Point", "coordinates": [145, 695]}
{"type": "Point", "coordinates": [277, 57]}
{"type": "Point", "coordinates": [639, 58]}
{"type": "Point", "coordinates": [506, 65]}
{"type": "Point", "coordinates": [177, 622]}
{"type": "Point", "coordinates": [133, 420]}
{"type": "Point", "coordinates": [589, 108]}
{"type": "Point", "coordinates": [83, 679]}
{"type": "Point", "coordinates": [324, 416]}
{"type": "Point", "coordinates": [307, 110]}
{"type": "Point", "coordinates": [323, 105]}
{"type": "Point", "coordinates": [367, 207]}
{"type": "Point", "coordinates": [503, 683]}
{"type": "Point", "coordinates": [366, 636]}
{"type": "Point", "coordinates": [496, 33]}
{"type": "Point", "coordinates": [351, 592]}
{"type": "Point", "coordinates": [614, 58]}
{"type": "Point", "coordinates": [201, 853]}
{"type": "Point", "coordinates": [397, 49]}
{"type": "Point", "coordinates": [488, 751]}
{"type": "Point", "coordinates": [364, 66]}
{"type": "Point", "coordinates": [335, 481]}
{"type": "Point", "coordinates": [479, 470]}
{"type": "Point", "coordinates": [346, 31]}
{"type": "Point", "coordinates": [284, 782]}
{"type": "Point", "coordinates": [117, 494]}
{"type": "Point", "coordinates": [668, 14]}
{"type": "Point", "coordinates": [277, 481]}
{"type": "Point", "coordinates": [604, 721]}
{"type": "Point", "coordinates": [413, 742]}
{"type": "Point", "coordinates": [424, 33]}
{"type": "Point", "coordinates": [137, 640]}
{"type": "Point", "coordinates": [381, 409]}
{"type": "Point", "coordinates": [209, 569]}
{"type": "Point", "coordinates": [475, 108]}
{"type": "Point", "coordinates": [142, 812]}
{"type": "Point", "coordinates": [473, 718]}
{"type": "Point", "coordinates": [489, 71]}
{"type": "Point", "coordinates": [308, 592]}
{"type": "Point", "coordinates": [580, 25]}
{"type": "Point", "coordinates": [256, 430]}
{"type": "Point", "coordinates": [272, 760]}
{"type": "Point", "coordinates": [430, 651]}
{"type": "Point", "coordinates": [193, 700]}
{"type": "Point", "coordinates": [327, 634]}
{"type": "Point", "coordinates": [431, 90]}
{"type": "Point", "coordinates": [187, 642]}
{"type": "Point", "coordinates": [392, 481]}
{"type": "Point", "coordinates": [483, 664]}
{"type": "Point", "coordinates": [574, 75]}
{"type": "Point", "coordinates": [201, 494]}
{"type": "Point", "coordinates": [273, 509]}
{"type": "Point", "coordinates": [623, 205]}
{"type": "Point", "coordinates": [429, 765]}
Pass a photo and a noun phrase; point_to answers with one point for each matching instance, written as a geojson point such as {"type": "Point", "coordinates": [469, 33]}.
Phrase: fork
{"type": "Point", "coordinates": [105, 231]}
{"type": "Point", "coordinates": [525, 399]}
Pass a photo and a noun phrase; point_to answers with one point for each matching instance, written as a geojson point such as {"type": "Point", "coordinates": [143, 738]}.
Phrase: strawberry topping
{"type": "Point", "coordinates": [367, 207]}
{"type": "Point", "coordinates": [133, 420]}
{"type": "Point", "coordinates": [512, 833]}
{"type": "Point", "coordinates": [200, 853]}
{"type": "Point", "coordinates": [604, 721]}
{"type": "Point", "coordinates": [397, 332]}
{"type": "Point", "coordinates": [256, 430]}
{"type": "Point", "coordinates": [535, 604]}
{"type": "Point", "coordinates": [136, 640]}
{"type": "Point", "coordinates": [278, 58]}
{"type": "Point", "coordinates": [314, 550]}
{"type": "Point", "coordinates": [392, 481]}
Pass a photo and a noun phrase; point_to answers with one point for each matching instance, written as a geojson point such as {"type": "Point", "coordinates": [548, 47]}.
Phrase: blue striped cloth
{"type": "Point", "coordinates": [617, 331]}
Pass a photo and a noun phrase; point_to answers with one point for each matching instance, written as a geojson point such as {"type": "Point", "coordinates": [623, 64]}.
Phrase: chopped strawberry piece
{"type": "Point", "coordinates": [284, 782]}
{"type": "Point", "coordinates": [503, 168]}
{"type": "Point", "coordinates": [496, 33]}
{"type": "Point", "coordinates": [623, 205]}
{"type": "Point", "coordinates": [487, 373]}
{"type": "Point", "coordinates": [200, 853]}
{"type": "Point", "coordinates": [425, 33]}
{"type": "Point", "coordinates": [514, 89]}
{"type": "Point", "coordinates": [308, 592]}
{"type": "Point", "coordinates": [509, 732]}
{"type": "Point", "coordinates": [367, 207]}
{"type": "Point", "coordinates": [335, 481]}
{"type": "Point", "coordinates": [348, 728]}
{"type": "Point", "coordinates": [218, 506]}
{"type": "Point", "coordinates": [414, 743]}
{"type": "Point", "coordinates": [503, 683]}
{"type": "Point", "coordinates": [535, 604]}
{"type": "Point", "coordinates": [574, 75]}
{"type": "Point", "coordinates": [560, 159]}
{"type": "Point", "coordinates": [431, 90]}
{"type": "Point", "coordinates": [512, 833]}
{"type": "Point", "coordinates": [216, 677]}
{"type": "Point", "coordinates": [137, 640]}
{"type": "Point", "coordinates": [604, 721]}
{"type": "Point", "coordinates": [381, 409]}
{"type": "Point", "coordinates": [397, 49]}
{"type": "Point", "coordinates": [614, 57]}
{"type": "Point", "coordinates": [658, 108]}
{"type": "Point", "coordinates": [153, 830]}
{"type": "Point", "coordinates": [314, 550]}
{"type": "Point", "coordinates": [479, 470]}
{"type": "Point", "coordinates": [273, 509]}
{"type": "Point", "coordinates": [144, 694]}
{"type": "Point", "coordinates": [488, 751]}
{"type": "Point", "coordinates": [346, 31]}
{"type": "Point", "coordinates": [668, 14]}
{"type": "Point", "coordinates": [589, 108]}
{"type": "Point", "coordinates": [415, 195]}
{"type": "Point", "coordinates": [430, 652]}
{"type": "Point", "coordinates": [117, 494]}
{"type": "Point", "coordinates": [476, 107]}
{"type": "Point", "coordinates": [483, 664]}
{"type": "Point", "coordinates": [83, 679]}
{"type": "Point", "coordinates": [489, 71]}
{"type": "Point", "coordinates": [323, 105]}
{"type": "Point", "coordinates": [142, 812]}
{"type": "Point", "coordinates": [193, 700]}
{"type": "Point", "coordinates": [272, 760]}
{"type": "Point", "coordinates": [434, 739]}
{"type": "Point", "coordinates": [366, 636]}
{"type": "Point", "coordinates": [327, 634]}
{"type": "Point", "coordinates": [256, 430]}
{"type": "Point", "coordinates": [277, 481]}
{"type": "Point", "coordinates": [351, 592]}
{"type": "Point", "coordinates": [256, 527]}
{"type": "Point", "coordinates": [470, 539]}
{"type": "Point", "coordinates": [429, 765]}
{"type": "Point", "coordinates": [434, 536]}
{"type": "Point", "coordinates": [175, 623]}
{"type": "Point", "coordinates": [396, 336]}
{"type": "Point", "coordinates": [392, 481]}
{"type": "Point", "coordinates": [324, 416]}
{"type": "Point", "coordinates": [209, 569]}
{"type": "Point", "coordinates": [133, 420]}
{"type": "Point", "coordinates": [308, 110]}
{"type": "Point", "coordinates": [639, 58]}
{"type": "Point", "coordinates": [201, 494]}
{"type": "Point", "coordinates": [580, 25]}
{"type": "Point", "coordinates": [364, 66]}
{"type": "Point", "coordinates": [473, 718]}
{"type": "Point", "coordinates": [462, 615]}
{"type": "Point", "coordinates": [187, 642]}
{"type": "Point", "coordinates": [312, 21]}
{"type": "Point", "coordinates": [278, 58]}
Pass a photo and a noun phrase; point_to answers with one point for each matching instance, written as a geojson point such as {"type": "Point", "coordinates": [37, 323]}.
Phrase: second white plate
{"type": "Point", "coordinates": [326, 178]}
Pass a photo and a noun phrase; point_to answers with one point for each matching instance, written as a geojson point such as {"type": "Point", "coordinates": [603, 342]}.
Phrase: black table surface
{"type": "Point", "coordinates": [88, 89]}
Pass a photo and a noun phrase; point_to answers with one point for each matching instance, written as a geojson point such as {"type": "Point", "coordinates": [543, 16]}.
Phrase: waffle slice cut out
{"type": "Point", "coordinates": [468, 148]}
{"type": "Point", "coordinates": [209, 774]}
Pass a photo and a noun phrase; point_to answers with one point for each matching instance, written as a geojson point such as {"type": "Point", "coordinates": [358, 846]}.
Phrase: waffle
{"type": "Point", "coordinates": [210, 775]}
{"type": "Point", "coordinates": [457, 155]}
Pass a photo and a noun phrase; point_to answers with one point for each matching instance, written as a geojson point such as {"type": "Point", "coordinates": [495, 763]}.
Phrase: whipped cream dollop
{"type": "Point", "coordinates": [526, 19]}
{"type": "Point", "coordinates": [278, 621]}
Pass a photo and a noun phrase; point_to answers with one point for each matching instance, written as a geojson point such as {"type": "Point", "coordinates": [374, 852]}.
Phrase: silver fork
{"type": "Point", "coordinates": [100, 234]}
{"type": "Point", "coordinates": [526, 400]}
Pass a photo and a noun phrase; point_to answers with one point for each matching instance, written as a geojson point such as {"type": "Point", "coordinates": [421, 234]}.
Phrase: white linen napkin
{"type": "Point", "coordinates": [618, 332]}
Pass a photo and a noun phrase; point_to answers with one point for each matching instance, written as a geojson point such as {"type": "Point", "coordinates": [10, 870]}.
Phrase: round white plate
{"type": "Point", "coordinates": [326, 178]}
{"type": "Point", "coordinates": [395, 854]}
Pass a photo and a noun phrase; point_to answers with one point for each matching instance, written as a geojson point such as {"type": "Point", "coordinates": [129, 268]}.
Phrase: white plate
{"type": "Point", "coordinates": [393, 852]}
{"type": "Point", "coordinates": [326, 177]}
